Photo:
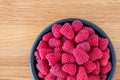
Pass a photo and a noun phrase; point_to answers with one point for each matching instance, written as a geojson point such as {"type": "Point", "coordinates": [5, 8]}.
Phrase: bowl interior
{"type": "Point", "coordinates": [98, 31]}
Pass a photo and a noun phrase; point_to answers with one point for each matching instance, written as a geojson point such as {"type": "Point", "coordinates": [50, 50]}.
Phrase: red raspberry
{"type": "Point", "coordinates": [44, 51]}
{"type": "Point", "coordinates": [82, 75]}
{"type": "Point", "coordinates": [71, 77]}
{"type": "Point", "coordinates": [42, 44]}
{"type": "Point", "coordinates": [53, 58]}
{"type": "Point", "coordinates": [47, 36]}
{"type": "Point", "coordinates": [72, 52]}
{"type": "Point", "coordinates": [97, 69]}
{"type": "Point", "coordinates": [37, 56]}
{"type": "Point", "coordinates": [81, 36]}
{"type": "Point", "coordinates": [95, 54]}
{"type": "Point", "coordinates": [67, 58]}
{"type": "Point", "coordinates": [106, 69]}
{"type": "Point", "coordinates": [103, 77]}
{"type": "Point", "coordinates": [80, 56]}
{"type": "Point", "coordinates": [60, 78]}
{"type": "Point", "coordinates": [103, 43]}
{"type": "Point", "coordinates": [84, 46]}
{"type": "Point", "coordinates": [40, 75]}
{"type": "Point", "coordinates": [105, 58]}
{"type": "Point", "coordinates": [43, 67]}
{"type": "Point", "coordinates": [68, 46]}
{"type": "Point", "coordinates": [67, 31]}
{"type": "Point", "coordinates": [54, 42]}
{"type": "Point", "coordinates": [93, 77]}
{"type": "Point", "coordinates": [56, 30]}
{"type": "Point", "coordinates": [89, 66]}
{"type": "Point", "coordinates": [77, 25]}
{"type": "Point", "coordinates": [58, 50]}
{"type": "Point", "coordinates": [93, 40]}
{"type": "Point", "coordinates": [50, 76]}
{"type": "Point", "coordinates": [57, 71]}
{"type": "Point", "coordinates": [69, 68]}
{"type": "Point", "coordinates": [89, 29]}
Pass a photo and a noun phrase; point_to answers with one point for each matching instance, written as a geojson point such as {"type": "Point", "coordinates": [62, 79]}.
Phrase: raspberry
{"type": "Point", "coordinates": [50, 76]}
{"type": "Point", "coordinates": [42, 44]}
{"type": "Point", "coordinates": [89, 66]}
{"type": "Point", "coordinates": [80, 56]}
{"type": "Point", "coordinates": [97, 69]}
{"type": "Point", "coordinates": [68, 46]}
{"type": "Point", "coordinates": [77, 25]}
{"type": "Point", "coordinates": [60, 78]}
{"type": "Point", "coordinates": [69, 68]}
{"type": "Point", "coordinates": [93, 40]}
{"type": "Point", "coordinates": [58, 50]}
{"type": "Point", "coordinates": [57, 71]}
{"type": "Point", "coordinates": [103, 77]}
{"type": "Point", "coordinates": [93, 77]}
{"type": "Point", "coordinates": [37, 56]}
{"type": "Point", "coordinates": [103, 43]}
{"type": "Point", "coordinates": [44, 51]}
{"type": "Point", "coordinates": [56, 30]}
{"type": "Point", "coordinates": [41, 75]}
{"type": "Point", "coordinates": [47, 36]}
{"type": "Point", "coordinates": [53, 58]}
{"type": "Point", "coordinates": [72, 52]}
{"type": "Point", "coordinates": [105, 58]}
{"type": "Point", "coordinates": [89, 29]}
{"type": "Point", "coordinates": [95, 54]}
{"type": "Point", "coordinates": [106, 69]}
{"type": "Point", "coordinates": [67, 31]}
{"type": "Point", "coordinates": [81, 36]}
{"type": "Point", "coordinates": [43, 67]}
{"type": "Point", "coordinates": [71, 77]}
{"type": "Point", "coordinates": [67, 58]}
{"type": "Point", "coordinates": [82, 75]}
{"type": "Point", "coordinates": [54, 42]}
{"type": "Point", "coordinates": [84, 46]}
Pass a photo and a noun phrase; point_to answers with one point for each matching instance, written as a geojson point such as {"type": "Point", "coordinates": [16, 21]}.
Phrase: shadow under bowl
{"type": "Point", "coordinates": [98, 31]}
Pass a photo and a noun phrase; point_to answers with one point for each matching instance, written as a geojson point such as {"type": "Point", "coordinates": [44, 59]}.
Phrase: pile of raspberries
{"type": "Point", "coordinates": [72, 51]}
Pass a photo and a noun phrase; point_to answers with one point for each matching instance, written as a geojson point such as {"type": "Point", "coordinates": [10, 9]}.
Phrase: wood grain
{"type": "Point", "coordinates": [22, 20]}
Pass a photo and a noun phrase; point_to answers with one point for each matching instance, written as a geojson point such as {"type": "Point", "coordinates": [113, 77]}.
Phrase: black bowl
{"type": "Point", "coordinates": [99, 31]}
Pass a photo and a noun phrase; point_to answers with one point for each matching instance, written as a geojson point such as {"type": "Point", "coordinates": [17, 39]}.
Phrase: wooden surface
{"type": "Point", "coordinates": [22, 20]}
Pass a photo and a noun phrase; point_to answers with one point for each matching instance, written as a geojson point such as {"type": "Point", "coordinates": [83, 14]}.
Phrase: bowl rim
{"type": "Point", "coordinates": [89, 23]}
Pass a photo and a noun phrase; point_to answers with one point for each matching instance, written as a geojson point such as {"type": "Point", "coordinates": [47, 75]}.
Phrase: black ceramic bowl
{"type": "Point", "coordinates": [99, 31]}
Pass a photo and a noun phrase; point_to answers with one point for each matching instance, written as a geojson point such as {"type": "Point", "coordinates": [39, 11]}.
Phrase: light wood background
{"type": "Point", "coordinates": [22, 20]}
